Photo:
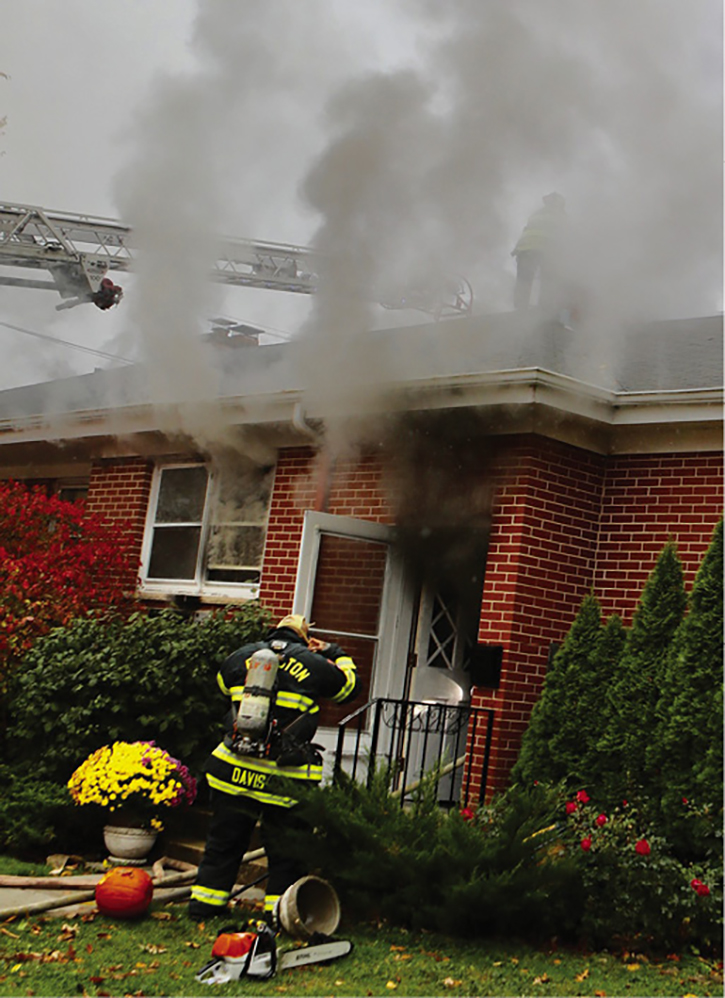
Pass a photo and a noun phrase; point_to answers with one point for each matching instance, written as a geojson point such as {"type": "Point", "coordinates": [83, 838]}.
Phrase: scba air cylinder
{"type": "Point", "coordinates": [253, 715]}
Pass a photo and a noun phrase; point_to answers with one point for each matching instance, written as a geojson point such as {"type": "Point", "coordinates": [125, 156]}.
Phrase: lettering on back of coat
{"type": "Point", "coordinates": [296, 669]}
{"type": "Point", "coordinates": [247, 778]}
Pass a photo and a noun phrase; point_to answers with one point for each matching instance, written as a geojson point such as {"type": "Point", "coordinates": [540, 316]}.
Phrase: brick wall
{"type": "Point", "coordinates": [119, 491]}
{"type": "Point", "coordinates": [648, 500]}
{"type": "Point", "coordinates": [539, 567]}
{"type": "Point", "coordinates": [567, 522]}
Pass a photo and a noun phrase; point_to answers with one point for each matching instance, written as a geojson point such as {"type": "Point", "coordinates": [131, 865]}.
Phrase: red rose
{"type": "Point", "coordinates": [702, 889]}
{"type": "Point", "coordinates": [601, 820]}
{"type": "Point", "coordinates": [684, 800]}
{"type": "Point", "coordinates": [467, 814]}
{"type": "Point", "coordinates": [643, 847]}
{"type": "Point", "coordinates": [570, 807]}
{"type": "Point", "coordinates": [583, 796]}
{"type": "Point", "coordinates": [586, 843]}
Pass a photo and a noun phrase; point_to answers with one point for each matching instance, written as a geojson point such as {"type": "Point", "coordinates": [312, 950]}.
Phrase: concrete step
{"type": "Point", "coordinates": [191, 850]}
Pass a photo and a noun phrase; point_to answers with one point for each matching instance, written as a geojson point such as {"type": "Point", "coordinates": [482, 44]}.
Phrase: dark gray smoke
{"type": "Point", "coordinates": [425, 165]}
{"type": "Point", "coordinates": [435, 169]}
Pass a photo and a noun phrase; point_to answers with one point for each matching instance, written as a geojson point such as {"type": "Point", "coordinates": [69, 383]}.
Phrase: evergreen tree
{"type": "Point", "coordinates": [604, 666]}
{"type": "Point", "coordinates": [629, 722]}
{"type": "Point", "coordinates": [686, 755]}
{"type": "Point", "coordinates": [551, 748]}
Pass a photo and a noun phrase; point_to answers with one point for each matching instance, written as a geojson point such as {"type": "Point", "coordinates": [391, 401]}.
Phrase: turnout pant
{"type": "Point", "coordinates": [230, 832]}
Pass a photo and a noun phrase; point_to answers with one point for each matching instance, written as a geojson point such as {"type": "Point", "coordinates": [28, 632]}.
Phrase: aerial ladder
{"type": "Point", "coordinates": [79, 252]}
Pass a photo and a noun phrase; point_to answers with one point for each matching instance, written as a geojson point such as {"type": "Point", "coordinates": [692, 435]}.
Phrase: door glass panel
{"type": "Point", "coordinates": [349, 584]}
{"type": "Point", "coordinates": [443, 632]}
{"type": "Point", "coordinates": [362, 651]}
{"type": "Point", "coordinates": [346, 607]}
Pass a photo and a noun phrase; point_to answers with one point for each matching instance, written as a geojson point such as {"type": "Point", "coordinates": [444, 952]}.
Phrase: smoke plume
{"type": "Point", "coordinates": [413, 168]}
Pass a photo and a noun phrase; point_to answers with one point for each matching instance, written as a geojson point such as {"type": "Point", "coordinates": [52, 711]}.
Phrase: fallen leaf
{"type": "Point", "coordinates": [514, 959]}
{"type": "Point", "coordinates": [153, 948]}
{"type": "Point", "coordinates": [600, 994]}
{"type": "Point", "coordinates": [633, 966]}
{"type": "Point", "coordinates": [391, 985]}
{"type": "Point", "coordinates": [583, 976]}
{"type": "Point", "coordinates": [556, 962]}
{"type": "Point", "coordinates": [403, 956]}
{"type": "Point", "coordinates": [89, 948]}
{"type": "Point", "coordinates": [193, 945]}
{"type": "Point", "coordinates": [544, 979]}
{"type": "Point", "coordinates": [397, 949]}
{"type": "Point", "coordinates": [498, 963]}
{"type": "Point", "coordinates": [7, 932]}
{"type": "Point", "coordinates": [339, 982]}
{"type": "Point", "coordinates": [450, 983]}
{"type": "Point", "coordinates": [162, 916]}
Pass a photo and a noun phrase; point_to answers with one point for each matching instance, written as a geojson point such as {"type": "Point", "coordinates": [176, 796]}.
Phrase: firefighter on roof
{"type": "Point", "coordinates": [275, 686]}
{"type": "Point", "coordinates": [538, 250]}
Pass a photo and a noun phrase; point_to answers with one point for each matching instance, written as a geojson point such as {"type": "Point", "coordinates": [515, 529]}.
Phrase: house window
{"type": "Point", "coordinates": [205, 531]}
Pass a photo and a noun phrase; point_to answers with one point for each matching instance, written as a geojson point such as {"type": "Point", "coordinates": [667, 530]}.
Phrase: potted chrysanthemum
{"type": "Point", "coordinates": [135, 782]}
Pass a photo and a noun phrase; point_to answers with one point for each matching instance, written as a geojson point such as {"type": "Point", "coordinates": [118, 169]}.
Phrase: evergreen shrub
{"type": "Point", "coordinates": [150, 677]}
{"type": "Point", "coordinates": [423, 868]}
{"type": "Point", "coordinates": [686, 754]}
{"type": "Point", "coordinates": [563, 725]}
{"type": "Point", "coordinates": [37, 813]}
{"type": "Point", "coordinates": [538, 862]}
{"type": "Point", "coordinates": [630, 721]}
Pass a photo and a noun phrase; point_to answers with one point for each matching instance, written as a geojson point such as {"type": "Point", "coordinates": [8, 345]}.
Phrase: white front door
{"type": "Point", "coordinates": [351, 587]}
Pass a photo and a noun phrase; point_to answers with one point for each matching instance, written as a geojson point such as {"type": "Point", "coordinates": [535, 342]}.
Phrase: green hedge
{"type": "Point", "coordinates": [535, 864]}
{"type": "Point", "coordinates": [151, 677]}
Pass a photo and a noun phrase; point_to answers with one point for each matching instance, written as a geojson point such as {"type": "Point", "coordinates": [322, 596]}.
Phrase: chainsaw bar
{"type": "Point", "coordinates": [261, 964]}
{"type": "Point", "coordinates": [313, 954]}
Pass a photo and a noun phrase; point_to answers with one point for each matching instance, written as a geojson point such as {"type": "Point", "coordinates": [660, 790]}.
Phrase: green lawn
{"type": "Point", "coordinates": [160, 954]}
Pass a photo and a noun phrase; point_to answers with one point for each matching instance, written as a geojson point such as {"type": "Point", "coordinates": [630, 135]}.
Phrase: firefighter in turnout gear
{"type": "Point", "coordinates": [538, 250]}
{"type": "Point", "coordinates": [269, 735]}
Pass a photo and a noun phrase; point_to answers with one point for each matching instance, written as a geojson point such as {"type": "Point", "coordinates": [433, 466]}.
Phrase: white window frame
{"type": "Point", "coordinates": [196, 586]}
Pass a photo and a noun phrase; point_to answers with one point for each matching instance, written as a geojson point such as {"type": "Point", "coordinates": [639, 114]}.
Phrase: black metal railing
{"type": "Point", "coordinates": [412, 740]}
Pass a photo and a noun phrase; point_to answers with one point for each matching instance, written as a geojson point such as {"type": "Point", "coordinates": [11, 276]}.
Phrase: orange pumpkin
{"type": "Point", "coordinates": [124, 892]}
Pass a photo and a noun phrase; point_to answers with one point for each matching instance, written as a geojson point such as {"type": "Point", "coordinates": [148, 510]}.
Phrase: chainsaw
{"type": "Point", "coordinates": [254, 953]}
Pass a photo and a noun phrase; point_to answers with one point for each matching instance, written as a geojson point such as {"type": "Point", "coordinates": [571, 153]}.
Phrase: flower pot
{"type": "Point", "coordinates": [128, 846]}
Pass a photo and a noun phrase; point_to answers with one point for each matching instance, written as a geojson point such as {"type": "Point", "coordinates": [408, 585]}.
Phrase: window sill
{"type": "Point", "coordinates": [242, 594]}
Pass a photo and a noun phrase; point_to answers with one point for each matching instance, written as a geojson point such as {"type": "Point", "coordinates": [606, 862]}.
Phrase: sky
{"type": "Point", "coordinates": [403, 141]}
